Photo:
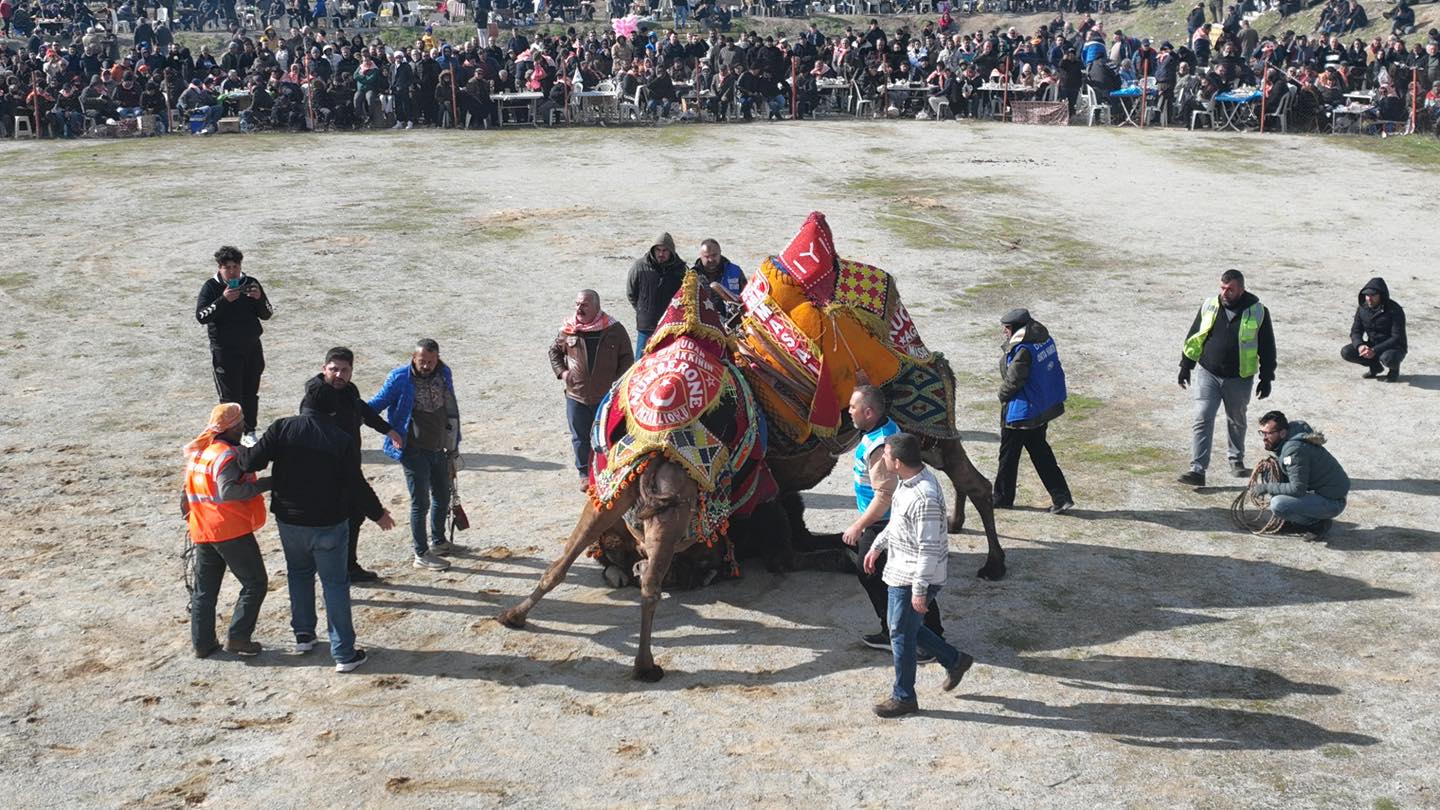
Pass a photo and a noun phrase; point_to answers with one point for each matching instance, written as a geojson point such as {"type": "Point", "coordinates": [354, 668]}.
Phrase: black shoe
{"type": "Point", "coordinates": [896, 708]}
{"type": "Point", "coordinates": [1316, 531]}
{"type": "Point", "coordinates": [922, 657]}
{"type": "Point", "coordinates": [1062, 507]}
{"type": "Point", "coordinates": [358, 574]}
{"type": "Point", "coordinates": [1239, 470]}
{"type": "Point", "coordinates": [353, 664]}
{"type": "Point", "coordinates": [1372, 372]}
{"type": "Point", "coordinates": [955, 673]}
{"type": "Point", "coordinates": [1193, 479]}
{"type": "Point", "coordinates": [207, 650]}
{"type": "Point", "coordinates": [877, 641]}
{"type": "Point", "coordinates": [1393, 376]}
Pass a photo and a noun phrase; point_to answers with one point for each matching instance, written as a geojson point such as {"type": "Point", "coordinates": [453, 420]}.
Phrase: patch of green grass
{"type": "Point", "coordinates": [1137, 459]}
{"type": "Point", "coordinates": [497, 232]}
{"type": "Point", "coordinates": [1228, 154]}
{"type": "Point", "coordinates": [1079, 407]}
{"type": "Point", "coordinates": [15, 281]}
{"type": "Point", "coordinates": [1385, 804]}
{"type": "Point", "coordinates": [1052, 604]}
{"type": "Point", "coordinates": [1415, 151]}
{"type": "Point", "coordinates": [1335, 751]}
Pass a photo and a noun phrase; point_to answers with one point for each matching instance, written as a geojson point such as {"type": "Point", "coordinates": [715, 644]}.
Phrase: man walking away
{"type": "Point", "coordinates": [1377, 335]}
{"type": "Point", "coordinates": [917, 551]}
{"type": "Point", "coordinates": [654, 279]}
{"type": "Point", "coordinates": [1032, 392]}
{"type": "Point", "coordinates": [1231, 340]}
{"type": "Point", "coordinates": [224, 508]}
{"type": "Point", "coordinates": [1316, 486]}
{"type": "Point", "coordinates": [316, 479]}
{"type": "Point", "coordinates": [232, 304]}
{"type": "Point", "coordinates": [419, 400]}
{"type": "Point", "coordinates": [589, 355]}
{"type": "Point", "coordinates": [351, 412]}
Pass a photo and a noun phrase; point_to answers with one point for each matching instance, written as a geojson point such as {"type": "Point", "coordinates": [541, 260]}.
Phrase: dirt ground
{"type": "Point", "coordinates": [1142, 652]}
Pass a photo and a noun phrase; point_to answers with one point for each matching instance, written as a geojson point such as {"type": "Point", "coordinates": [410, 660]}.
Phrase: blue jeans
{"type": "Point", "coordinates": [581, 417]}
{"type": "Point", "coordinates": [682, 15]}
{"type": "Point", "coordinates": [1305, 509]}
{"type": "Point", "coordinates": [311, 550]}
{"type": "Point", "coordinates": [642, 336]}
{"type": "Point", "coordinates": [427, 476]}
{"type": "Point", "coordinates": [907, 630]}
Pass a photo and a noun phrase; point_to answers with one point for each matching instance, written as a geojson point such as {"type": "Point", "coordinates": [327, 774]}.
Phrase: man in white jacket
{"type": "Point", "coordinates": [917, 552]}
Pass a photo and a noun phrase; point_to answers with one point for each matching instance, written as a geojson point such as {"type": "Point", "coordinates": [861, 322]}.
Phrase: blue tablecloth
{"type": "Point", "coordinates": [1238, 98]}
{"type": "Point", "coordinates": [1132, 92]}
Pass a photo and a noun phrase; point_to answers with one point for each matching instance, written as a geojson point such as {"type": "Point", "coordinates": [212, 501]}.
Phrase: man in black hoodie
{"type": "Point", "coordinates": [1231, 340]}
{"type": "Point", "coordinates": [351, 411]}
{"type": "Point", "coordinates": [232, 304]}
{"type": "Point", "coordinates": [654, 280]}
{"type": "Point", "coordinates": [1377, 335]}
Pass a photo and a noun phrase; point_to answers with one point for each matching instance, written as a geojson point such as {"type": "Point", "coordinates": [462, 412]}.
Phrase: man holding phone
{"type": "Point", "coordinates": [232, 304]}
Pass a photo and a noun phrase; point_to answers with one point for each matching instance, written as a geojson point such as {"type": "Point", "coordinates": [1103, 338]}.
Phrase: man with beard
{"type": "Point", "coordinates": [654, 279]}
{"type": "Point", "coordinates": [350, 413]}
{"type": "Point", "coordinates": [1315, 486]}
{"type": "Point", "coordinates": [589, 355]}
{"type": "Point", "coordinates": [714, 268]}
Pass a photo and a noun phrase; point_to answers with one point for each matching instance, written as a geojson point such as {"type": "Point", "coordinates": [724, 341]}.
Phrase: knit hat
{"type": "Point", "coordinates": [1016, 318]}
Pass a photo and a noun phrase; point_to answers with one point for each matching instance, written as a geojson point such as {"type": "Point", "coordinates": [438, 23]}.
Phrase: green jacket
{"type": "Point", "coordinates": [1308, 466]}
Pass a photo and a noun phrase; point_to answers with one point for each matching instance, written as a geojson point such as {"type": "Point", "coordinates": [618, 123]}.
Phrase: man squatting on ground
{"type": "Point", "coordinates": [316, 480]}
{"type": "Point", "coordinates": [589, 355]}
{"type": "Point", "coordinates": [917, 552]}
{"type": "Point", "coordinates": [232, 304]}
{"type": "Point", "coordinates": [875, 484]}
{"type": "Point", "coordinates": [224, 508]}
{"type": "Point", "coordinates": [1032, 392]}
{"type": "Point", "coordinates": [1377, 335]}
{"type": "Point", "coordinates": [1231, 340]}
{"type": "Point", "coordinates": [1316, 486]}
{"type": "Point", "coordinates": [654, 279]}
{"type": "Point", "coordinates": [351, 412]}
{"type": "Point", "coordinates": [419, 400]}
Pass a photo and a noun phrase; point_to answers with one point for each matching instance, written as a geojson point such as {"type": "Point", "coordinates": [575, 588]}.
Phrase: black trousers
{"type": "Point", "coordinates": [1390, 358]}
{"type": "Point", "coordinates": [877, 590]}
{"type": "Point", "coordinates": [237, 378]}
{"type": "Point", "coordinates": [356, 521]}
{"type": "Point", "coordinates": [242, 556]}
{"type": "Point", "coordinates": [1012, 441]}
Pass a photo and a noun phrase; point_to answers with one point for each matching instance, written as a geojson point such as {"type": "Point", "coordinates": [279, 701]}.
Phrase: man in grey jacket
{"type": "Point", "coordinates": [1316, 486]}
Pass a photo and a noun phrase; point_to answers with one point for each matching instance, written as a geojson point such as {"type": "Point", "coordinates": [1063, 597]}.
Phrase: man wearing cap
{"type": "Point", "coordinates": [1032, 392]}
{"type": "Point", "coordinates": [223, 508]}
{"type": "Point", "coordinates": [1230, 342]}
{"type": "Point", "coordinates": [1377, 334]}
{"type": "Point", "coordinates": [654, 279]}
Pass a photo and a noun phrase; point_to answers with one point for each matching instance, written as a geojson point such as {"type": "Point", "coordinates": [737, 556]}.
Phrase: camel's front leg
{"type": "Point", "coordinates": [593, 522]}
{"type": "Point", "coordinates": [659, 553]}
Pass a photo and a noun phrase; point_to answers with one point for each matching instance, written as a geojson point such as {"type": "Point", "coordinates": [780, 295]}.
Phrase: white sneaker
{"type": "Point", "coordinates": [409, 124]}
{"type": "Point", "coordinates": [443, 547]}
{"type": "Point", "coordinates": [430, 563]}
{"type": "Point", "coordinates": [249, 439]}
{"type": "Point", "coordinates": [353, 664]}
{"type": "Point", "coordinates": [303, 645]}
{"type": "Point", "coordinates": [398, 125]}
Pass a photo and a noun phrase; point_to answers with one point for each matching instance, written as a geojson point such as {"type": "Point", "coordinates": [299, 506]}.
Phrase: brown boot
{"type": "Point", "coordinates": [955, 673]}
{"type": "Point", "coordinates": [896, 708]}
{"type": "Point", "coordinates": [241, 647]}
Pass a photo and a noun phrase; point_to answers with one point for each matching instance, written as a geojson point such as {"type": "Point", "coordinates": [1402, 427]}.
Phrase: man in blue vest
{"type": "Point", "coordinates": [714, 268]}
{"type": "Point", "coordinates": [875, 485]}
{"type": "Point", "coordinates": [1231, 341]}
{"type": "Point", "coordinates": [1032, 392]}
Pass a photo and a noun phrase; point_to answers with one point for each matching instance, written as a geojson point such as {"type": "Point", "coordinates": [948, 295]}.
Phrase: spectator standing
{"type": "Point", "coordinates": [232, 304]}
{"type": "Point", "coordinates": [223, 508]}
{"type": "Point", "coordinates": [315, 482]}
{"type": "Point", "coordinates": [589, 355]}
{"type": "Point", "coordinates": [419, 401]}
{"type": "Point", "coordinates": [654, 279]}
{"type": "Point", "coordinates": [1377, 334]}
{"type": "Point", "coordinates": [916, 552]}
{"type": "Point", "coordinates": [1231, 340]}
{"type": "Point", "coordinates": [1032, 392]}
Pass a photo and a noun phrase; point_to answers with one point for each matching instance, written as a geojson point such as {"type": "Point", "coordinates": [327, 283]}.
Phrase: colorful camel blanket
{"type": "Point", "coordinates": [818, 325]}
{"type": "Point", "coordinates": [685, 399]}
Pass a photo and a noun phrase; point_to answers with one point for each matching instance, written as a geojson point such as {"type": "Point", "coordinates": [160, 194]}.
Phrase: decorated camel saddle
{"type": "Point", "coordinates": [817, 325]}
{"type": "Point", "coordinates": [686, 400]}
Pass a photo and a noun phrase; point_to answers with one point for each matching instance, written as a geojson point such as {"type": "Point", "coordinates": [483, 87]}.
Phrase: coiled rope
{"type": "Point", "coordinates": [1251, 509]}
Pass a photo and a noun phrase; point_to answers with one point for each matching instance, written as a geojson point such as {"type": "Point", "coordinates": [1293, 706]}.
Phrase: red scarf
{"type": "Point", "coordinates": [600, 323]}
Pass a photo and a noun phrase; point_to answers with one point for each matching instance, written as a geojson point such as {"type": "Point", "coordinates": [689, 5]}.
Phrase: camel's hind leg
{"type": "Point", "coordinates": [969, 483]}
{"type": "Point", "coordinates": [593, 522]}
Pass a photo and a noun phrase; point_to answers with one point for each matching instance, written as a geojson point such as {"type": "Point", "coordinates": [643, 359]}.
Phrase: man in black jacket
{"type": "Point", "coordinates": [352, 411]}
{"type": "Point", "coordinates": [314, 487]}
{"type": "Point", "coordinates": [232, 304]}
{"type": "Point", "coordinates": [654, 280]}
{"type": "Point", "coordinates": [1377, 335]}
{"type": "Point", "coordinates": [1231, 340]}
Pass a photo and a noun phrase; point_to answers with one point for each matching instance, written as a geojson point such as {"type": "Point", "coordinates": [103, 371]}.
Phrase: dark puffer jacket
{"type": "Point", "coordinates": [1383, 327]}
{"type": "Point", "coordinates": [652, 284]}
{"type": "Point", "coordinates": [1308, 466]}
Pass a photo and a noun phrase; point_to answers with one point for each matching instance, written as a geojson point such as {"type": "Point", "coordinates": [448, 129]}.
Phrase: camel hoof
{"type": "Point", "coordinates": [993, 570]}
{"type": "Point", "coordinates": [616, 577]}
{"type": "Point", "coordinates": [650, 675]}
{"type": "Point", "coordinates": [512, 619]}
{"type": "Point", "coordinates": [957, 526]}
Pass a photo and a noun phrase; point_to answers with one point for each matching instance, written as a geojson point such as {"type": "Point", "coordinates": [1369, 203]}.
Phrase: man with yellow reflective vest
{"type": "Point", "coordinates": [1231, 341]}
{"type": "Point", "coordinates": [223, 507]}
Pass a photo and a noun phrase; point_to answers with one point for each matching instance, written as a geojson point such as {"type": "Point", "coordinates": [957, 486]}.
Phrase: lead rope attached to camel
{"type": "Point", "coordinates": [187, 568]}
{"type": "Point", "coordinates": [1251, 510]}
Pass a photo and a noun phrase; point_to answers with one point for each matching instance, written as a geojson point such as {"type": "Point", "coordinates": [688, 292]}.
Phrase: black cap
{"type": "Point", "coordinates": [1016, 317]}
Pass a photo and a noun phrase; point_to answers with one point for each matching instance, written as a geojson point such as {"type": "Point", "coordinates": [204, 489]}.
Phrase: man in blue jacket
{"type": "Point", "coordinates": [419, 402]}
{"type": "Point", "coordinates": [1032, 393]}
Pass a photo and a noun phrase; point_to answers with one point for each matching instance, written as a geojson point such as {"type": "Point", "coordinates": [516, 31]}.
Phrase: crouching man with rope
{"type": "Point", "coordinates": [1315, 486]}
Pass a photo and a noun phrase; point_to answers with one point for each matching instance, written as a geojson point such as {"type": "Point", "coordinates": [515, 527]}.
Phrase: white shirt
{"type": "Point", "coordinates": [917, 550]}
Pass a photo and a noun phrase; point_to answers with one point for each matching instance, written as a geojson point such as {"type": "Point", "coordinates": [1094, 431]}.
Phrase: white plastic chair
{"type": "Point", "coordinates": [1281, 113]}
{"type": "Point", "coordinates": [860, 101]}
{"type": "Point", "coordinates": [1095, 108]}
{"type": "Point", "coordinates": [1207, 112]}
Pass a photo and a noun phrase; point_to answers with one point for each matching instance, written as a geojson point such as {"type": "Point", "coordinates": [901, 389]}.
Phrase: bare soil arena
{"type": "Point", "coordinates": [1141, 653]}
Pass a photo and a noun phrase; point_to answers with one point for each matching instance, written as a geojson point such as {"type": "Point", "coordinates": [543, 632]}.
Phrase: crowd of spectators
{"type": "Point", "coordinates": [318, 76]}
